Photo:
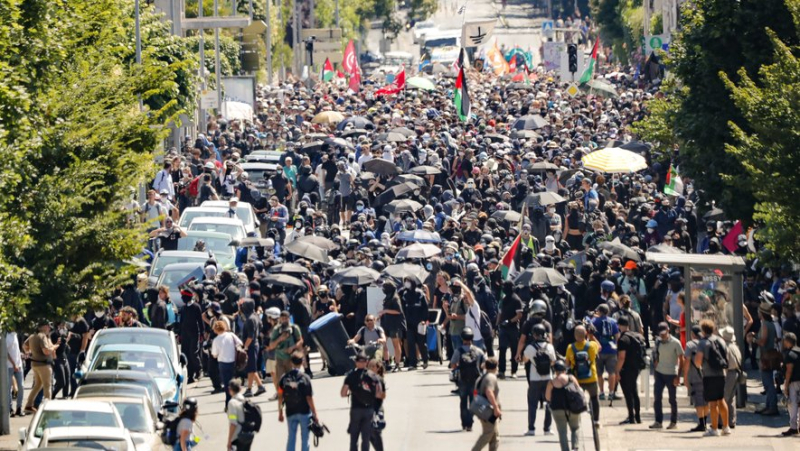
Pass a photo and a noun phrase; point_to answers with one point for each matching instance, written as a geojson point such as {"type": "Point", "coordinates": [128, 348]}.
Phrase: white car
{"type": "Point", "coordinates": [218, 243]}
{"type": "Point", "coordinates": [139, 418]}
{"type": "Point", "coordinates": [232, 226]}
{"type": "Point", "coordinates": [191, 213]}
{"type": "Point", "coordinates": [95, 438]}
{"type": "Point", "coordinates": [422, 28]}
{"type": "Point", "coordinates": [244, 211]}
{"type": "Point", "coordinates": [142, 336]}
{"type": "Point", "coordinates": [67, 413]}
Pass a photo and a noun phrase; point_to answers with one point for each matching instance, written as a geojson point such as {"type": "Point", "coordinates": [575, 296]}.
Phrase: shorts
{"type": "Point", "coordinates": [698, 394]}
{"type": "Point", "coordinates": [282, 367]}
{"type": "Point", "coordinates": [714, 388]}
{"type": "Point", "coordinates": [606, 363]}
{"type": "Point", "coordinates": [252, 360]}
{"type": "Point", "coordinates": [395, 332]}
{"type": "Point", "coordinates": [348, 202]}
{"type": "Point", "coordinates": [270, 367]}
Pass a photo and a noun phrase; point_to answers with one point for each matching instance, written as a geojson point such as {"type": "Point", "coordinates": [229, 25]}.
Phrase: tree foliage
{"type": "Point", "coordinates": [769, 147]}
{"type": "Point", "coordinates": [75, 143]}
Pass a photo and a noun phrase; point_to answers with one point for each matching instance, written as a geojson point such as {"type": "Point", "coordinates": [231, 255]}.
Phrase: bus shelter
{"type": "Point", "coordinates": [713, 287]}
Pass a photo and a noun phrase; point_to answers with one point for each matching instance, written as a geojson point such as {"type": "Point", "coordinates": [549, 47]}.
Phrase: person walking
{"type": "Point", "coordinates": [15, 373]}
{"type": "Point", "coordinates": [766, 340]}
{"type": "Point", "coordinates": [488, 387]}
{"type": "Point", "coordinates": [184, 431]}
{"type": "Point", "coordinates": [668, 358]}
{"type": "Point", "coordinates": [581, 357]}
{"type": "Point", "coordinates": [296, 394]}
{"type": "Point", "coordinates": [508, 323]}
{"type": "Point", "coordinates": [735, 370]}
{"type": "Point", "coordinates": [251, 329]}
{"type": "Point", "coordinates": [630, 362]}
{"type": "Point", "coordinates": [542, 356]}
{"type": "Point", "coordinates": [42, 352]}
{"type": "Point", "coordinates": [284, 340]}
{"type": "Point", "coordinates": [556, 396]}
{"type": "Point", "coordinates": [693, 379]}
{"type": "Point", "coordinates": [711, 352]}
{"type": "Point", "coordinates": [238, 439]}
{"type": "Point", "coordinates": [365, 388]}
{"type": "Point", "coordinates": [376, 367]}
{"type": "Point", "coordinates": [468, 360]}
{"type": "Point", "coordinates": [192, 328]}
{"type": "Point", "coordinates": [393, 321]}
{"type": "Point", "coordinates": [223, 349]}
{"type": "Point", "coordinates": [61, 368]}
{"type": "Point", "coordinates": [792, 377]}
{"type": "Point", "coordinates": [607, 333]}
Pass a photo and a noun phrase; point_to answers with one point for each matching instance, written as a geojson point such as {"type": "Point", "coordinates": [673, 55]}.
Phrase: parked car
{"type": "Point", "coordinates": [164, 258]}
{"type": "Point", "coordinates": [259, 174]}
{"type": "Point", "coordinates": [95, 438]}
{"type": "Point", "coordinates": [54, 413]}
{"type": "Point", "coordinates": [218, 243]}
{"type": "Point", "coordinates": [191, 213]}
{"type": "Point", "coordinates": [244, 211]}
{"type": "Point", "coordinates": [232, 226]}
{"type": "Point", "coordinates": [264, 156]}
{"type": "Point", "coordinates": [129, 378]}
{"type": "Point", "coordinates": [120, 390]}
{"type": "Point", "coordinates": [142, 336]}
{"type": "Point", "coordinates": [139, 418]}
{"type": "Point", "coordinates": [173, 274]}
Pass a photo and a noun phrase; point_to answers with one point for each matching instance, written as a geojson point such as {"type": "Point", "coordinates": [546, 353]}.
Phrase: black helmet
{"type": "Point", "coordinates": [190, 404]}
{"type": "Point", "coordinates": [467, 334]}
{"type": "Point", "coordinates": [560, 366]}
{"type": "Point", "coordinates": [539, 331]}
{"type": "Point", "coordinates": [378, 265]}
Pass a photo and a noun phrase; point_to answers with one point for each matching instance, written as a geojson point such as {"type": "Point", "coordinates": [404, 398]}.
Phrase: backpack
{"type": "Point", "coordinates": [194, 189]}
{"type": "Point", "coordinates": [717, 355]}
{"type": "Point", "coordinates": [468, 367]}
{"type": "Point", "coordinates": [485, 326]}
{"type": "Point", "coordinates": [583, 367]}
{"type": "Point", "coordinates": [639, 358]}
{"type": "Point", "coordinates": [364, 392]}
{"type": "Point", "coordinates": [252, 417]}
{"type": "Point", "coordinates": [169, 434]}
{"type": "Point", "coordinates": [541, 360]}
{"type": "Point", "coordinates": [576, 403]}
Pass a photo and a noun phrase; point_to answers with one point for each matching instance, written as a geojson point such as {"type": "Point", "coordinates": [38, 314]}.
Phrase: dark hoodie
{"type": "Point", "coordinates": [251, 322]}
{"type": "Point", "coordinates": [414, 305]}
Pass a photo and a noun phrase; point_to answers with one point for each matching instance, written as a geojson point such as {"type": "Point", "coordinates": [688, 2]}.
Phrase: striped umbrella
{"type": "Point", "coordinates": [614, 159]}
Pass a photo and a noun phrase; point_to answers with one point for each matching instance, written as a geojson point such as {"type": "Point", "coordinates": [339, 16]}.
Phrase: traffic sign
{"type": "Point", "coordinates": [572, 90]}
{"type": "Point", "coordinates": [547, 28]}
{"type": "Point", "coordinates": [208, 99]}
{"type": "Point", "coordinates": [656, 42]}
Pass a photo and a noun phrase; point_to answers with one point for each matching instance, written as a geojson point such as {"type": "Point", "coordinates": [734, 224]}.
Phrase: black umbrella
{"type": "Point", "coordinates": [617, 248]}
{"type": "Point", "coordinates": [542, 166]}
{"type": "Point", "coordinates": [283, 279]}
{"type": "Point", "coordinates": [358, 122]}
{"type": "Point", "coordinates": [563, 176]}
{"type": "Point", "coordinates": [317, 136]}
{"type": "Point", "coordinates": [319, 241]}
{"type": "Point", "coordinates": [402, 205]}
{"type": "Point", "coordinates": [507, 215]}
{"type": "Point", "coordinates": [405, 131]}
{"type": "Point", "coordinates": [403, 270]}
{"type": "Point", "coordinates": [249, 241]}
{"type": "Point", "coordinates": [548, 277]}
{"type": "Point", "coordinates": [524, 134]}
{"type": "Point", "coordinates": [308, 250]}
{"type": "Point", "coordinates": [636, 146]}
{"type": "Point", "coordinates": [313, 146]}
{"type": "Point", "coordinates": [392, 137]}
{"type": "Point", "coordinates": [544, 198]}
{"type": "Point", "coordinates": [410, 178]}
{"type": "Point", "coordinates": [339, 142]}
{"type": "Point", "coordinates": [395, 192]}
{"type": "Point", "coordinates": [425, 170]}
{"type": "Point", "coordinates": [715, 214]}
{"type": "Point", "coordinates": [356, 275]}
{"type": "Point", "coordinates": [419, 250]}
{"type": "Point", "coordinates": [529, 122]}
{"type": "Point", "coordinates": [355, 132]}
{"type": "Point", "coordinates": [381, 166]}
{"type": "Point", "coordinates": [289, 268]}
{"type": "Point", "coordinates": [496, 138]}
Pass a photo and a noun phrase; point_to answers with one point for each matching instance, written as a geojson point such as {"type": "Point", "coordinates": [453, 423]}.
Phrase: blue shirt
{"type": "Point", "coordinates": [592, 194]}
{"type": "Point", "coordinates": [605, 331]}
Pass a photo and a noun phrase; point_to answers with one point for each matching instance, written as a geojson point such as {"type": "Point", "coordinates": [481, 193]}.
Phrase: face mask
{"type": "Point", "coordinates": [650, 230]}
{"type": "Point", "coordinates": [99, 313]}
{"type": "Point", "coordinates": [407, 285]}
{"type": "Point", "coordinates": [359, 207]}
{"type": "Point", "coordinates": [551, 210]}
{"type": "Point", "coordinates": [549, 246]}
{"type": "Point", "coordinates": [688, 210]}
{"type": "Point", "coordinates": [448, 257]}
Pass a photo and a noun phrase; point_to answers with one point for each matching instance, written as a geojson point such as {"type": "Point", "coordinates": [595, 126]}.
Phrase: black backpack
{"type": "Point", "coordinates": [542, 360]}
{"type": "Point", "coordinates": [485, 324]}
{"type": "Point", "coordinates": [169, 434]}
{"type": "Point", "coordinates": [639, 355]}
{"type": "Point", "coordinates": [576, 402]}
{"type": "Point", "coordinates": [468, 367]}
{"type": "Point", "coordinates": [252, 417]}
{"type": "Point", "coordinates": [717, 355]}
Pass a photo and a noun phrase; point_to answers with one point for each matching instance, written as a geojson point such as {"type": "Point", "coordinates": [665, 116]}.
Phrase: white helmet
{"type": "Point", "coordinates": [273, 312]}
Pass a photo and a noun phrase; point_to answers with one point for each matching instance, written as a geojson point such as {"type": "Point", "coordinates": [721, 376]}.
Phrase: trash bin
{"type": "Point", "coordinates": [331, 338]}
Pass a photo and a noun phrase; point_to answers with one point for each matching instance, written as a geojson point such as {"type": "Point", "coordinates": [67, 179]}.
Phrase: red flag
{"type": "Point", "coordinates": [339, 74]}
{"type": "Point", "coordinates": [355, 82]}
{"type": "Point", "coordinates": [397, 86]}
{"type": "Point", "coordinates": [731, 240]}
{"type": "Point", "coordinates": [350, 65]}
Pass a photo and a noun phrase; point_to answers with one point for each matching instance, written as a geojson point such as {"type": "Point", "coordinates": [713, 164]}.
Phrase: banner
{"type": "Point", "coordinates": [552, 55]}
{"type": "Point", "coordinates": [477, 33]}
{"type": "Point", "coordinates": [497, 61]}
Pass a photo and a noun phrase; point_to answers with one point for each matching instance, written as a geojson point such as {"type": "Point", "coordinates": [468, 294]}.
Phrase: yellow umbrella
{"type": "Point", "coordinates": [614, 159]}
{"type": "Point", "coordinates": [328, 117]}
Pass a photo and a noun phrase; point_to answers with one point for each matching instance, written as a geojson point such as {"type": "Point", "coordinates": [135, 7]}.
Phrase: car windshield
{"type": "Point", "coordinates": [171, 278]}
{"type": "Point", "coordinates": [234, 230]}
{"type": "Point", "coordinates": [133, 415]}
{"type": "Point", "coordinates": [161, 340]}
{"type": "Point", "coordinates": [154, 364]}
{"type": "Point", "coordinates": [74, 418]}
{"type": "Point", "coordinates": [219, 246]}
{"type": "Point", "coordinates": [257, 175]}
{"type": "Point", "coordinates": [164, 260]}
{"type": "Point", "coordinates": [191, 215]}
{"type": "Point", "coordinates": [103, 444]}
{"type": "Point", "coordinates": [243, 213]}
{"type": "Point", "coordinates": [93, 391]}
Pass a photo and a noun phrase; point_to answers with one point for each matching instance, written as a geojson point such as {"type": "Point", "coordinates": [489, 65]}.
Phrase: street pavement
{"type": "Point", "coordinates": [421, 414]}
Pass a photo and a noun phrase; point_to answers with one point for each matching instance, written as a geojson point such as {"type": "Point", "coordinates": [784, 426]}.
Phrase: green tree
{"type": "Point", "coordinates": [718, 38]}
{"type": "Point", "coordinates": [769, 147]}
{"type": "Point", "coordinates": [75, 143]}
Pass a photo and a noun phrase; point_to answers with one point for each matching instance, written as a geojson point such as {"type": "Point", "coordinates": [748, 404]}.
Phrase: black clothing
{"type": "Point", "coordinates": [296, 387]}
{"type": "Point", "coordinates": [75, 340]}
{"type": "Point", "coordinates": [363, 388]}
{"type": "Point", "coordinates": [157, 312]}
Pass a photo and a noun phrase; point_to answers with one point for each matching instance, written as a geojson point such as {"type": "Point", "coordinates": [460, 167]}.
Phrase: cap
{"type": "Point", "coordinates": [234, 199]}
{"type": "Point", "coordinates": [630, 265]}
{"type": "Point", "coordinates": [727, 334]}
{"type": "Point", "coordinates": [215, 307]}
{"type": "Point", "coordinates": [209, 165]}
{"type": "Point", "coordinates": [361, 357]}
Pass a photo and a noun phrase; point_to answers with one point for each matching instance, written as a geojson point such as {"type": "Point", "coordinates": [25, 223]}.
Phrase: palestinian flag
{"type": "Point", "coordinates": [461, 97]}
{"type": "Point", "coordinates": [588, 74]}
{"type": "Point", "coordinates": [674, 185]}
{"type": "Point", "coordinates": [327, 70]}
{"type": "Point", "coordinates": [509, 266]}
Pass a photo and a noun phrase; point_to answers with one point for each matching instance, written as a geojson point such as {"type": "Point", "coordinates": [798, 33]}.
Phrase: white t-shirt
{"type": "Point", "coordinates": [12, 345]}
{"type": "Point", "coordinates": [224, 347]}
{"type": "Point", "coordinates": [474, 321]}
{"type": "Point", "coordinates": [530, 352]}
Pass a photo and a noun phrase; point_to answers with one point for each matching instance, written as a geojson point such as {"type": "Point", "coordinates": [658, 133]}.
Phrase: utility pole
{"type": "Point", "coordinates": [298, 55]}
{"type": "Point", "coordinates": [137, 17]}
{"type": "Point", "coordinates": [282, 73]}
{"type": "Point", "coordinates": [217, 72]}
{"type": "Point", "coordinates": [201, 120]}
{"type": "Point", "coordinates": [337, 13]}
{"type": "Point", "coordinates": [269, 44]}
{"type": "Point", "coordinates": [5, 392]}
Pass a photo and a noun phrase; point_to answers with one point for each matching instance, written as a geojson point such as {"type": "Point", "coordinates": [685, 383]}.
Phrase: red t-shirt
{"type": "Point", "coordinates": [682, 324]}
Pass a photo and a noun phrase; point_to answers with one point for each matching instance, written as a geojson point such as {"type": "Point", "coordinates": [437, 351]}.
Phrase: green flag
{"type": "Point", "coordinates": [588, 74]}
